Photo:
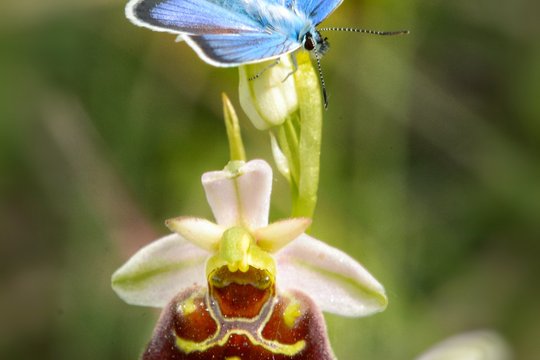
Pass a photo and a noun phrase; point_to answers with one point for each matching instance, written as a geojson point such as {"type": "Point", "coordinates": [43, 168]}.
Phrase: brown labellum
{"type": "Point", "coordinates": [240, 317]}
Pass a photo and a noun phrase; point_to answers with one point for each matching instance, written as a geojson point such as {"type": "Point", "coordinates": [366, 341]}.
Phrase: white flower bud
{"type": "Point", "coordinates": [270, 96]}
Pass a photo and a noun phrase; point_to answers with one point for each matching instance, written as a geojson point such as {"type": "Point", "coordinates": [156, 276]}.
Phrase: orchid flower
{"type": "Point", "coordinates": [241, 288]}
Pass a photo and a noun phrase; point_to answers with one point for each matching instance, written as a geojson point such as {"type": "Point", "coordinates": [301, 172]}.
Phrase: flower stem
{"type": "Point", "coordinates": [299, 138]}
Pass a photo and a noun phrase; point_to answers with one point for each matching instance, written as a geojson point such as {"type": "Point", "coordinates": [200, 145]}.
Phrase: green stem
{"type": "Point", "coordinates": [304, 141]}
{"type": "Point", "coordinates": [288, 140]}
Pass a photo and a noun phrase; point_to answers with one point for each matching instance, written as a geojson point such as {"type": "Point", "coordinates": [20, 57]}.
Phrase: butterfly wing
{"type": "Point", "coordinates": [317, 10]}
{"type": "Point", "coordinates": [234, 50]}
{"type": "Point", "coordinates": [222, 32]}
{"type": "Point", "coordinates": [195, 17]}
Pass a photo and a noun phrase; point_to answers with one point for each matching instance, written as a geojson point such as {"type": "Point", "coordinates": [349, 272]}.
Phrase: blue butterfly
{"type": "Point", "coordinates": [235, 32]}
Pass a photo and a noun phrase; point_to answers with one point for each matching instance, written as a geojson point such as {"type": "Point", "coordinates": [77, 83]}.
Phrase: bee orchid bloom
{"type": "Point", "coordinates": [241, 288]}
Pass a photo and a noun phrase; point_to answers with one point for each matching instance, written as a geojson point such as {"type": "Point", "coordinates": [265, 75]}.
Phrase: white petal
{"type": "Point", "coordinates": [335, 281]}
{"type": "Point", "coordinates": [476, 345]}
{"type": "Point", "coordinates": [159, 271]}
{"type": "Point", "coordinates": [200, 232]}
{"type": "Point", "coordinates": [273, 237]}
{"type": "Point", "coordinates": [241, 198]}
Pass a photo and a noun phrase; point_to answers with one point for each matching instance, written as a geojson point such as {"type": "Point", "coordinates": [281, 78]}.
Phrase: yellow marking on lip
{"type": "Point", "coordinates": [188, 306]}
{"type": "Point", "coordinates": [233, 358]}
{"type": "Point", "coordinates": [291, 313]}
{"type": "Point", "coordinates": [275, 347]}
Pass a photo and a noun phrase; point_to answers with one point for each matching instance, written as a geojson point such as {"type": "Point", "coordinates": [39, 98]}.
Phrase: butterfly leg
{"type": "Point", "coordinates": [295, 67]}
{"type": "Point", "coordinates": [258, 75]}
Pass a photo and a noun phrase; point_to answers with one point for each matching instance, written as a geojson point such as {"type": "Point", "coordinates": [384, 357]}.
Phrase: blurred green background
{"type": "Point", "coordinates": [430, 169]}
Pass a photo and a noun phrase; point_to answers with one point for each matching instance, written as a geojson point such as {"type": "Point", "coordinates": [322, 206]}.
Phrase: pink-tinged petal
{"type": "Point", "coordinates": [159, 271]}
{"type": "Point", "coordinates": [240, 196]}
{"type": "Point", "coordinates": [335, 281]}
{"type": "Point", "coordinates": [200, 232]}
{"type": "Point", "coordinates": [273, 237]}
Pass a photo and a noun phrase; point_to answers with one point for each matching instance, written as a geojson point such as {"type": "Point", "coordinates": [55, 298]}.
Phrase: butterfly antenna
{"type": "Point", "coordinates": [321, 77]}
{"type": "Point", "coordinates": [365, 31]}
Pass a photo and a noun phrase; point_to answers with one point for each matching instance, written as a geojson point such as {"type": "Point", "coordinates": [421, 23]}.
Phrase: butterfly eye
{"type": "Point", "coordinates": [309, 42]}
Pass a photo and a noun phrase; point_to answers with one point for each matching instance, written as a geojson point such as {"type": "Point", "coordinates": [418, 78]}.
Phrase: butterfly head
{"type": "Point", "coordinates": [313, 41]}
